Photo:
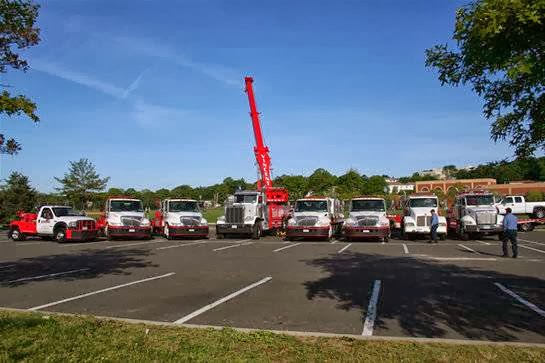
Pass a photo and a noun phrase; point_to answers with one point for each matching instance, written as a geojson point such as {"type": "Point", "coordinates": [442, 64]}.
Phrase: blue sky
{"type": "Point", "coordinates": [152, 92]}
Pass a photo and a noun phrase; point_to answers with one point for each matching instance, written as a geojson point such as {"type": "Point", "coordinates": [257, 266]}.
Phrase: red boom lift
{"type": "Point", "coordinates": [276, 198]}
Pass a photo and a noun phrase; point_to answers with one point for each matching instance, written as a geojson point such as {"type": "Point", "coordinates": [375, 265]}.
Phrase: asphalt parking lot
{"type": "Point", "coordinates": [460, 290]}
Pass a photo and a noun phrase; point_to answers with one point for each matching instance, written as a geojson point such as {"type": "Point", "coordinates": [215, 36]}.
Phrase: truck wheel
{"type": "Point", "coordinates": [16, 235]}
{"type": "Point", "coordinates": [385, 239]}
{"type": "Point", "coordinates": [539, 213]}
{"type": "Point", "coordinates": [220, 235]}
{"type": "Point", "coordinates": [442, 237]}
{"type": "Point", "coordinates": [526, 227]}
{"type": "Point", "coordinates": [464, 236]}
{"type": "Point", "coordinates": [60, 235]}
{"type": "Point", "coordinates": [256, 232]}
{"type": "Point", "coordinates": [166, 232]}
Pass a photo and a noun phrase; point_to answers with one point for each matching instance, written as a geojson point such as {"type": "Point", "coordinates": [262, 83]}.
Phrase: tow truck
{"type": "Point", "coordinates": [124, 218]}
{"type": "Point", "coordinates": [316, 217]}
{"type": "Point", "coordinates": [60, 223]}
{"type": "Point", "coordinates": [180, 218]}
{"type": "Point", "coordinates": [264, 210]}
{"type": "Point", "coordinates": [417, 215]}
{"type": "Point", "coordinates": [367, 219]}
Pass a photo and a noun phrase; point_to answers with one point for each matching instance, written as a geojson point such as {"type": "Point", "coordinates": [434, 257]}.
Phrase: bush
{"type": "Point", "coordinates": [535, 196]}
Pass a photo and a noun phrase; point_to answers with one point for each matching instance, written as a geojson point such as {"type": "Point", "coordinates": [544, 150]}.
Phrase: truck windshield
{"type": "Point", "coordinates": [183, 206]}
{"type": "Point", "coordinates": [423, 203]}
{"type": "Point", "coordinates": [126, 206]}
{"type": "Point", "coordinates": [368, 205]}
{"type": "Point", "coordinates": [245, 198]}
{"type": "Point", "coordinates": [480, 200]}
{"type": "Point", "coordinates": [311, 206]}
{"type": "Point", "coordinates": [66, 212]}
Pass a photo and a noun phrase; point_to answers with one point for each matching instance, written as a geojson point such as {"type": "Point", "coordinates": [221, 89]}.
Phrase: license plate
{"type": "Point", "coordinates": [234, 227]}
{"type": "Point", "coordinates": [84, 228]}
{"type": "Point", "coordinates": [366, 231]}
{"type": "Point", "coordinates": [191, 230]}
{"type": "Point", "coordinates": [132, 230]}
{"type": "Point", "coordinates": [306, 230]}
{"type": "Point", "coordinates": [485, 227]}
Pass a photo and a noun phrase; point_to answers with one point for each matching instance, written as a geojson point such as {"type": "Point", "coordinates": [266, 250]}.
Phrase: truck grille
{"type": "Point", "coordinates": [87, 224]}
{"type": "Point", "coordinates": [306, 221]}
{"type": "Point", "coordinates": [367, 221]}
{"type": "Point", "coordinates": [234, 214]}
{"type": "Point", "coordinates": [486, 218]}
{"type": "Point", "coordinates": [190, 221]}
{"type": "Point", "coordinates": [131, 221]}
{"type": "Point", "coordinates": [422, 221]}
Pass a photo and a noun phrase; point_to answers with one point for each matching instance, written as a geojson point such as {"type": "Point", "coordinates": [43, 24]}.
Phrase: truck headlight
{"type": "Point", "coordinates": [248, 218]}
{"type": "Point", "coordinates": [145, 222]}
{"type": "Point", "coordinates": [115, 223]}
{"type": "Point", "coordinates": [323, 222]}
{"type": "Point", "coordinates": [292, 222]}
{"type": "Point", "coordinates": [349, 222]}
{"type": "Point", "coordinates": [73, 224]}
{"type": "Point", "coordinates": [409, 224]}
{"type": "Point", "coordinates": [174, 223]}
{"type": "Point", "coordinates": [384, 223]}
{"type": "Point", "coordinates": [221, 220]}
{"type": "Point", "coordinates": [204, 222]}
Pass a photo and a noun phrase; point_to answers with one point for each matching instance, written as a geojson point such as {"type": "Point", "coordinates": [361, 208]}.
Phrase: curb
{"type": "Point", "coordinates": [290, 332]}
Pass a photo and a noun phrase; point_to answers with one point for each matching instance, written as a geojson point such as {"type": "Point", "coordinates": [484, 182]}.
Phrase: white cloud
{"type": "Point", "coordinates": [147, 114]}
{"type": "Point", "coordinates": [153, 48]}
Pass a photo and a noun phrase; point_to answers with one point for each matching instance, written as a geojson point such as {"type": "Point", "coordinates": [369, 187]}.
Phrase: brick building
{"type": "Point", "coordinates": [485, 183]}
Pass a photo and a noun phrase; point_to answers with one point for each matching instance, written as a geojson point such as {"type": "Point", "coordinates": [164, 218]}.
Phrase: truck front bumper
{"type": "Point", "coordinates": [188, 231]}
{"type": "Point", "coordinates": [308, 232]}
{"type": "Point", "coordinates": [131, 232]}
{"type": "Point", "coordinates": [486, 229]}
{"type": "Point", "coordinates": [232, 228]}
{"type": "Point", "coordinates": [366, 232]}
{"type": "Point", "coordinates": [81, 235]}
{"type": "Point", "coordinates": [424, 230]}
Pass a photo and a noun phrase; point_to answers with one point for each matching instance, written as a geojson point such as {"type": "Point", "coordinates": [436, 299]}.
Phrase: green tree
{"type": "Point", "coordinates": [81, 182]}
{"type": "Point", "coordinates": [16, 195]}
{"type": "Point", "coordinates": [350, 184]}
{"type": "Point", "coordinates": [18, 31]}
{"type": "Point", "coordinates": [321, 181]}
{"type": "Point", "coordinates": [297, 185]}
{"type": "Point", "coordinates": [374, 185]}
{"type": "Point", "coordinates": [500, 53]}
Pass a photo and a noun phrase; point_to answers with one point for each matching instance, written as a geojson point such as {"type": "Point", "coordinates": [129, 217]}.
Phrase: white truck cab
{"type": "Point", "coordinates": [244, 214]}
{"type": "Point", "coordinates": [367, 219]}
{"type": "Point", "coordinates": [124, 217]}
{"type": "Point", "coordinates": [64, 223]}
{"type": "Point", "coordinates": [519, 205]}
{"type": "Point", "coordinates": [316, 217]}
{"type": "Point", "coordinates": [475, 214]}
{"type": "Point", "coordinates": [182, 218]}
{"type": "Point", "coordinates": [417, 218]}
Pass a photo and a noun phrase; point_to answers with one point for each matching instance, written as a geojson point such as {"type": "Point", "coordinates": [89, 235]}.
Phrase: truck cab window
{"type": "Point", "coordinates": [518, 199]}
{"type": "Point", "coordinates": [47, 214]}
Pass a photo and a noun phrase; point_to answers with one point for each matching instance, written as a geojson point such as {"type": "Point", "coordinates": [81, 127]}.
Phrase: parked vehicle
{"type": "Point", "coordinates": [528, 224]}
{"type": "Point", "coordinates": [519, 205]}
{"type": "Point", "coordinates": [474, 214]}
{"type": "Point", "coordinates": [180, 218]}
{"type": "Point", "coordinates": [316, 217]}
{"type": "Point", "coordinates": [124, 218]}
{"type": "Point", "coordinates": [367, 219]}
{"type": "Point", "coordinates": [60, 223]}
{"type": "Point", "coordinates": [417, 216]}
{"type": "Point", "coordinates": [245, 213]}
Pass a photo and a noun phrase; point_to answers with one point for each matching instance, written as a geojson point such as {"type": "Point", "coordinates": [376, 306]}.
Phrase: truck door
{"type": "Point", "coordinates": [45, 222]}
{"type": "Point", "coordinates": [519, 206]}
{"type": "Point", "coordinates": [508, 203]}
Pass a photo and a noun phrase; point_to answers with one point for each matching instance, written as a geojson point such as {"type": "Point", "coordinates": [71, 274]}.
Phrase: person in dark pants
{"type": "Point", "coordinates": [510, 233]}
{"type": "Point", "coordinates": [434, 225]}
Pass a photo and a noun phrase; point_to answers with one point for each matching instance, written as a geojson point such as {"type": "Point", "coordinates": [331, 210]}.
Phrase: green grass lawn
{"type": "Point", "coordinates": [212, 214]}
{"type": "Point", "coordinates": [39, 338]}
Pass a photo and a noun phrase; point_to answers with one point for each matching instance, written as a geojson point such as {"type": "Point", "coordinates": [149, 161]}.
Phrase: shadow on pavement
{"type": "Point", "coordinates": [427, 298]}
{"type": "Point", "coordinates": [97, 263]}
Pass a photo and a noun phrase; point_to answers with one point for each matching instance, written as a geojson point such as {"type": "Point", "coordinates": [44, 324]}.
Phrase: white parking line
{"type": "Point", "coordinates": [344, 248]}
{"type": "Point", "coordinates": [5, 267]}
{"type": "Point", "coordinates": [28, 243]}
{"type": "Point", "coordinates": [221, 301]}
{"type": "Point", "coordinates": [469, 249]}
{"type": "Point", "coordinates": [132, 244]}
{"type": "Point", "coordinates": [483, 242]}
{"type": "Point", "coordinates": [99, 291]}
{"type": "Point", "coordinates": [48, 275]}
{"type": "Point", "coordinates": [406, 249]}
{"type": "Point", "coordinates": [333, 241]}
{"type": "Point", "coordinates": [226, 247]}
{"type": "Point", "coordinates": [463, 258]}
{"type": "Point", "coordinates": [520, 299]}
{"type": "Point", "coordinates": [182, 245]}
{"type": "Point", "coordinates": [537, 243]}
{"type": "Point", "coordinates": [286, 247]}
{"type": "Point", "coordinates": [531, 248]}
{"type": "Point", "coordinates": [371, 310]}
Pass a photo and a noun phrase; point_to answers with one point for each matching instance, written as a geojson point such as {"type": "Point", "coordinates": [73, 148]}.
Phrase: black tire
{"type": "Point", "coordinates": [442, 237]}
{"type": "Point", "coordinates": [16, 235]}
{"type": "Point", "coordinates": [60, 234]}
{"type": "Point", "coordinates": [526, 227]}
{"type": "Point", "coordinates": [220, 236]}
{"type": "Point", "coordinates": [539, 213]}
{"type": "Point", "coordinates": [464, 236]}
{"type": "Point", "coordinates": [385, 239]}
{"type": "Point", "coordinates": [256, 232]}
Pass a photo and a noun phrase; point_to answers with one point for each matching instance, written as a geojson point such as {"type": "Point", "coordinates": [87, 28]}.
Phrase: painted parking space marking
{"type": "Point", "coordinates": [221, 301]}
{"type": "Point", "coordinates": [286, 247]}
{"type": "Point", "coordinates": [182, 245]}
{"type": "Point", "coordinates": [369, 323]}
{"type": "Point", "coordinates": [521, 300]}
{"type": "Point", "coordinates": [233, 246]}
{"type": "Point", "coordinates": [483, 242]}
{"type": "Point", "coordinates": [463, 258]}
{"type": "Point", "coordinates": [468, 249]}
{"type": "Point", "coordinates": [531, 248]}
{"type": "Point", "coordinates": [344, 248]}
{"type": "Point", "coordinates": [39, 277]}
{"type": "Point", "coordinates": [405, 248]}
{"type": "Point", "coordinates": [28, 244]}
{"type": "Point", "coordinates": [537, 243]}
{"type": "Point", "coordinates": [39, 307]}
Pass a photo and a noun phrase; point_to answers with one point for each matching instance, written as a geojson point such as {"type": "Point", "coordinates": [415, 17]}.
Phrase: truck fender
{"type": "Point", "coordinates": [59, 225]}
{"type": "Point", "coordinates": [468, 220]}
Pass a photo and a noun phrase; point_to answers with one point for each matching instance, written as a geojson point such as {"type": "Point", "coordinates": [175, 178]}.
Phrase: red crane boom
{"type": "Point", "coordinates": [276, 198]}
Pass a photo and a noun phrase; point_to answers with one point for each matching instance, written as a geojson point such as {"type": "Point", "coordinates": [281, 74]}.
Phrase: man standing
{"type": "Point", "coordinates": [434, 225]}
{"type": "Point", "coordinates": [510, 233]}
